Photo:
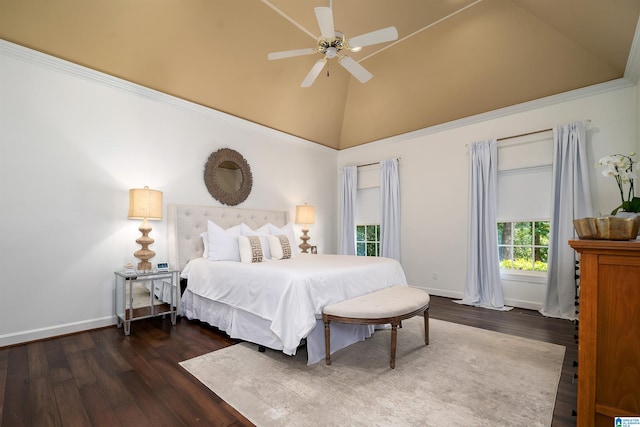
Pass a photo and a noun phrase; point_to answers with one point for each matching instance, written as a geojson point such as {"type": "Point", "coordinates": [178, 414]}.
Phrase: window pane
{"type": "Point", "coordinates": [371, 249]}
{"type": "Point", "coordinates": [360, 233]}
{"type": "Point", "coordinates": [504, 252]}
{"type": "Point", "coordinates": [541, 259]}
{"type": "Point", "coordinates": [377, 233]}
{"type": "Point", "coordinates": [360, 249]}
{"type": "Point", "coordinates": [522, 258]}
{"type": "Point", "coordinates": [504, 233]}
{"type": "Point", "coordinates": [542, 233]}
{"type": "Point", "coordinates": [522, 233]}
{"type": "Point", "coordinates": [371, 233]}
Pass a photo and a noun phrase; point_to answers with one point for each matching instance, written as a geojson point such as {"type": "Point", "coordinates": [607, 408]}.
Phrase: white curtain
{"type": "Point", "coordinates": [571, 199]}
{"type": "Point", "coordinates": [348, 206]}
{"type": "Point", "coordinates": [483, 287]}
{"type": "Point", "coordinates": [390, 209]}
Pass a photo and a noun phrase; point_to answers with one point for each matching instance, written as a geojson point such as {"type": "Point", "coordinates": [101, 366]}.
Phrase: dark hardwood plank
{"type": "Point", "coordinates": [4, 354]}
{"type": "Point", "coordinates": [104, 378]}
{"type": "Point", "coordinates": [98, 408]}
{"type": "Point", "coordinates": [72, 410]}
{"type": "Point", "coordinates": [149, 403]}
{"type": "Point", "coordinates": [17, 403]}
{"type": "Point", "coordinates": [115, 392]}
{"type": "Point", "coordinates": [38, 363]}
{"type": "Point", "coordinates": [44, 409]}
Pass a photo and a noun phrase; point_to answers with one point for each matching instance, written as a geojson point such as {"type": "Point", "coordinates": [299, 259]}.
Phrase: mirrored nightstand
{"type": "Point", "coordinates": [144, 295]}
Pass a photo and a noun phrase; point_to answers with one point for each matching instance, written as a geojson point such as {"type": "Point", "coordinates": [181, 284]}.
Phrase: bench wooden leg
{"type": "Point", "coordinates": [327, 343]}
{"type": "Point", "coordinates": [426, 326]}
{"type": "Point", "coordinates": [394, 340]}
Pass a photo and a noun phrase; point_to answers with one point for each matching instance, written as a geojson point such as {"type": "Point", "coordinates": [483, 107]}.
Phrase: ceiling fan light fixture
{"type": "Point", "coordinates": [332, 43]}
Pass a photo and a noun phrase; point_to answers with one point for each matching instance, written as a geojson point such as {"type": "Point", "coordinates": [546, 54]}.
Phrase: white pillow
{"type": "Point", "coordinates": [287, 230]}
{"type": "Point", "coordinates": [262, 232]}
{"type": "Point", "coordinates": [223, 244]}
{"type": "Point", "coordinates": [279, 246]}
{"type": "Point", "coordinates": [250, 248]}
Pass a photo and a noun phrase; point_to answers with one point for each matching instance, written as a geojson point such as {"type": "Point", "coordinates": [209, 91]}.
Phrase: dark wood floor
{"type": "Point", "coordinates": [102, 378]}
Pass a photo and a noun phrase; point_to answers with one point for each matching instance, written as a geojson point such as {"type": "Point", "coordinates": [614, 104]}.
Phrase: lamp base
{"type": "Point", "coordinates": [144, 253]}
{"type": "Point", "coordinates": [304, 246]}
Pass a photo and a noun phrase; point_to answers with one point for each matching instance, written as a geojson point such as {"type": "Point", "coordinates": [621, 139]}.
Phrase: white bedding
{"type": "Point", "coordinates": [286, 295]}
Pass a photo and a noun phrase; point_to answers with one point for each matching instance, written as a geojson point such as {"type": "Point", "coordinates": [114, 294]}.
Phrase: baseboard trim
{"type": "Point", "coordinates": [54, 331]}
{"type": "Point", "coordinates": [530, 305]}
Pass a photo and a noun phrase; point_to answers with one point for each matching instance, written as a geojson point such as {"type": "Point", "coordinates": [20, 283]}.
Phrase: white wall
{"type": "Point", "coordinates": [72, 143]}
{"type": "Point", "coordinates": [434, 178]}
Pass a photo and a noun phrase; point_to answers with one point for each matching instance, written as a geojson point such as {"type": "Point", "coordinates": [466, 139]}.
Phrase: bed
{"type": "Point", "coordinates": [275, 303]}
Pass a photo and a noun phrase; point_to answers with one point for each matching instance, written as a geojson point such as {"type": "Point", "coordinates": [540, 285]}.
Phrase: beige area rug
{"type": "Point", "coordinates": [465, 377]}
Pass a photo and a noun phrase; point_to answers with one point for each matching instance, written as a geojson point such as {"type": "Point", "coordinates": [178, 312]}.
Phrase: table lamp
{"type": "Point", "coordinates": [145, 204]}
{"type": "Point", "coordinates": [305, 215]}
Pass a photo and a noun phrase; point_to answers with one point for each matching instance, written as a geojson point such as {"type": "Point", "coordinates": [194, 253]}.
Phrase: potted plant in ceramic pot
{"type": "Point", "coordinates": [620, 167]}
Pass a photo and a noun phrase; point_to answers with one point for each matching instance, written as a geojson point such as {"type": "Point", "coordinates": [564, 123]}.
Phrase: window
{"type": "Point", "coordinates": [523, 245]}
{"type": "Point", "coordinates": [368, 240]}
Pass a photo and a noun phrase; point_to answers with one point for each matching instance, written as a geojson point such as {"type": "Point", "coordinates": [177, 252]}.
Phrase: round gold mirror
{"type": "Point", "coordinates": [227, 176]}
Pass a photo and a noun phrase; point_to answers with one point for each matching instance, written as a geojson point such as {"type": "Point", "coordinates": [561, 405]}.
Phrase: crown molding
{"type": "Point", "coordinates": [51, 62]}
{"type": "Point", "coordinates": [572, 95]}
{"type": "Point", "coordinates": [69, 68]}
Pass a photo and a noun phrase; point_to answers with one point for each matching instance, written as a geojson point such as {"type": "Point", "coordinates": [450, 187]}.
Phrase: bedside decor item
{"type": "Point", "coordinates": [607, 228]}
{"type": "Point", "coordinates": [145, 204]}
{"type": "Point", "coordinates": [621, 168]}
{"type": "Point", "coordinates": [305, 215]}
{"type": "Point", "coordinates": [227, 176]}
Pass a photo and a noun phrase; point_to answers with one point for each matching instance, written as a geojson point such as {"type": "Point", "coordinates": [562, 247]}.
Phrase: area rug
{"type": "Point", "coordinates": [465, 377]}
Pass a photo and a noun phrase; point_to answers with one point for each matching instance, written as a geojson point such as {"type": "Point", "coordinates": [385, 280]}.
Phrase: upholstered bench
{"type": "Point", "coordinates": [390, 305]}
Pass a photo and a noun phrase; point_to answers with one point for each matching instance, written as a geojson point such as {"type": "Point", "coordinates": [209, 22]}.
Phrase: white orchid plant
{"type": "Point", "coordinates": [620, 167]}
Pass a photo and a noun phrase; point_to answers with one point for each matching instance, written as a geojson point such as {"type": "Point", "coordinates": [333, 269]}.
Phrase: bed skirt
{"type": "Point", "coordinates": [239, 324]}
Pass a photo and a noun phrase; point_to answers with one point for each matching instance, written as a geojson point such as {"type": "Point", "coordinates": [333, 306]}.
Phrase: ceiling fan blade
{"type": "Point", "coordinates": [357, 70]}
{"type": "Point", "coordinates": [324, 15]}
{"type": "Point", "coordinates": [315, 71]}
{"type": "Point", "coordinates": [379, 36]}
{"type": "Point", "coordinates": [290, 53]}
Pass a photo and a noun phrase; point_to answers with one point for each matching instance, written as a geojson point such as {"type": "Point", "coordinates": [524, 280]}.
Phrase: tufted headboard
{"type": "Point", "coordinates": [185, 223]}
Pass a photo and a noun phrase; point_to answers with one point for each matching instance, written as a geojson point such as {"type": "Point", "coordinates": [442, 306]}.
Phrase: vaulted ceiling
{"type": "Point", "coordinates": [453, 58]}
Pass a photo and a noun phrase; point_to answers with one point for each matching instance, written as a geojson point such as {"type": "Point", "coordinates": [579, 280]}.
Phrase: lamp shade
{"type": "Point", "coordinates": [305, 214]}
{"type": "Point", "coordinates": [145, 203]}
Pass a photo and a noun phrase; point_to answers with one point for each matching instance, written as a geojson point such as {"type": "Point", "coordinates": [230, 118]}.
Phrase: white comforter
{"type": "Point", "coordinates": [291, 293]}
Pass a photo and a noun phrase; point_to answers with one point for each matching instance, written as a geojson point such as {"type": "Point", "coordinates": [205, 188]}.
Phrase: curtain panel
{"type": "Point", "coordinates": [390, 209]}
{"type": "Point", "coordinates": [483, 286]}
{"type": "Point", "coordinates": [571, 199]}
{"type": "Point", "coordinates": [349, 192]}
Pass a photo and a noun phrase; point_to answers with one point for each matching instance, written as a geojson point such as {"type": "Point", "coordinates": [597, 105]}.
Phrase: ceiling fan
{"type": "Point", "coordinates": [331, 45]}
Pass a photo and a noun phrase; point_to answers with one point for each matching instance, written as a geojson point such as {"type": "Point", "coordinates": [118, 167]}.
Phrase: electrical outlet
{"type": "Point", "coordinates": [435, 275]}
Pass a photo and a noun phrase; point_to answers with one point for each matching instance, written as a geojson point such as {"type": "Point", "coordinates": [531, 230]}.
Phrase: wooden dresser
{"type": "Point", "coordinates": [609, 331]}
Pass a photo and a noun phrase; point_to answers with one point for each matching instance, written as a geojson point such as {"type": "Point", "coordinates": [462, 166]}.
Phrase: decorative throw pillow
{"type": "Point", "coordinates": [279, 246]}
{"type": "Point", "coordinates": [262, 232]}
{"type": "Point", "coordinates": [250, 248]}
{"type": "Point", "coordinates": [287, 230]}
{"type": "Point", "coordinates": [223, 244]}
